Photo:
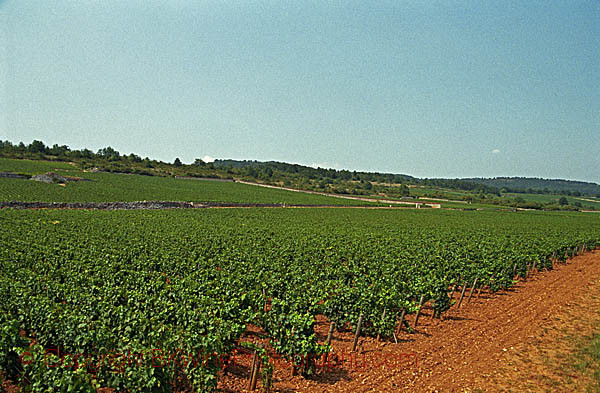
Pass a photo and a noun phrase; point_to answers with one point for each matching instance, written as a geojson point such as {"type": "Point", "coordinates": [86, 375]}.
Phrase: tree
{"type": "Point", "coordinates": [109, 153]}
{"type": "Point", "coordinates": [198, 162]}
{"type": "Point", "coordinates": [563, 201]}
{"type": "Point", "coordinates": [267, 172]}
{"type": "Point", "coordinates": [177, 162]}
{"type": "Point", "coordinates": [57, 150]}
{"type": "Point", "coordinates": [134, 158]}
{"type": "Point", "coordinates": [6, 146]}
{"type": "Point", "coordinates": [251, 171]}
{"type": "Point", "coordinates": [37, 147]}
{"type": "Point", "coordinates": [87, 153]}
{"type": "Point", "coordinates": [404, 190]}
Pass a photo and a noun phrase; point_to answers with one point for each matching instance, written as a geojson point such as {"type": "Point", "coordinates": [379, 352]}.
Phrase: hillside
{"type": "Point", "coordinates": [496, 185]}
{"type": "Point", "coordinates": [154, 179]}
{"type": "Point", "coordinates": [115, 187]}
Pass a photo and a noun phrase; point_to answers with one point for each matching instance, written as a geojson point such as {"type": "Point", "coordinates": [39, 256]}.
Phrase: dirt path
{"type": "Point", "coordinates": [588, 200]}
{"type": "Point", "coordinates": [476, 348]}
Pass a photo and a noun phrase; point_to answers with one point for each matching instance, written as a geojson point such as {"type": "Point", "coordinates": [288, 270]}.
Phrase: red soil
{"type": "Point", "coordinates": [471, 350]}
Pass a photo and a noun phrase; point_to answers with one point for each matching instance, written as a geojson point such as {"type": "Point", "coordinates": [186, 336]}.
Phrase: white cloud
{"type": "Point", "coordinates": [495, 151]}
{"type": "Point", "coordinates": [208, 159]}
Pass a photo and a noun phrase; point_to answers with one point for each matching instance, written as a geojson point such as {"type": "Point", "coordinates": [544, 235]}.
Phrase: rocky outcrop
{"type": "Point", "coordinates": [52, 177]}
{"type": "Point", "coordinates": [49, 177]}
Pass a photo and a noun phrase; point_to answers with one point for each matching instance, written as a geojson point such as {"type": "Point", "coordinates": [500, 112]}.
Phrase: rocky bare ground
{"type": "Point", "coordinates": [143, 205]}
{"type": "Point", "coordinates": [11, 175]}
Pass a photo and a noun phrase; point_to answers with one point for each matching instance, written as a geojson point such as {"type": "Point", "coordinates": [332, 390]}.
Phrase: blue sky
{"type": "Point", "coordinates": [428, 88]}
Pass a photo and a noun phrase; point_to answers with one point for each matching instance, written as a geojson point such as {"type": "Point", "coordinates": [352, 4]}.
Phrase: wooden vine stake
{"type": "Point", "coordinates": [293, 368]}
{"type": "Point", "coordinates": [330, 334]}
{"type": "Point", "coordinates": [254, 371]}
{"type": "Point", "coordinates": [462, 294]}
{"type": "Point", "coordinates": [401, 320]}
{"type": "Point", "coordinates": [472, 289]}
{"type": "Point", "coordinates": [360, 320]}
{"type": "Point", "coordinates": [419, 309]}
{"type": "Point", "coordinates": [328, 341]}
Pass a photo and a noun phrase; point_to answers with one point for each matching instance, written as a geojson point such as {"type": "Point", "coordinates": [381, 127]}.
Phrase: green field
{"type": "Point", "coordinates": [426, 191]}
{"type": "Point", "coordinates": [112, 187]}
{"type": "Point", "coordinates": [454, 197]}
{"type": "Point", "coordinates": [447, 204]}
{"type": "Point", "coordinates": [546, 198]}
{"type": "Point", "coordinates": [31, 167]}
{"type": "Point", "coordinates": [95, 282]}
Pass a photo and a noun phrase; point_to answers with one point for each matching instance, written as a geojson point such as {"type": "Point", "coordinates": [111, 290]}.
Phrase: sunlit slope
{"type": "Point", "coordinates": [111, 187]}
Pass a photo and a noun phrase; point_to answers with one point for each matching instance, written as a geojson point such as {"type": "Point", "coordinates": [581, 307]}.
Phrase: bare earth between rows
{"type": "Point", "coordinates": [469, 351]}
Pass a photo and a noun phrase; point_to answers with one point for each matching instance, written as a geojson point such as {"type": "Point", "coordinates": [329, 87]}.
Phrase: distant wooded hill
{"type": "Point", "coordinates": [532, 185]}
{"type": "Point", "coordinates": [317, 173]}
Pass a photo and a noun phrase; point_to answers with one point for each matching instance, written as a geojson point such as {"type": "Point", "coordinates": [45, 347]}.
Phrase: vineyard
{"type": "Point", "coordinates": [33, 167]}
{"type": "Point", "coordinates": [189, 283]}
{"type": "Point", "coordinates": [109, 187]}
